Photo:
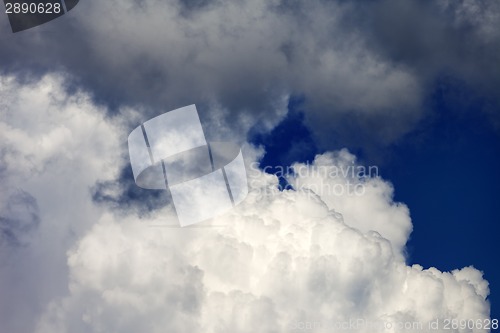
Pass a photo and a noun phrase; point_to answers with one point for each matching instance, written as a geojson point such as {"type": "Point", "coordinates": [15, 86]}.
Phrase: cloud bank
{"type": "Point", "coordinates": [278, 262]}
{"type": "Point", "coordinates": [363, 68]}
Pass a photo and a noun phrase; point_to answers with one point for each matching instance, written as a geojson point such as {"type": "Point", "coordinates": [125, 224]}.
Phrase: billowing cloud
{"type": "Point", "coordinates": [279, 262]}
{"type": "Point", "coordinates": [345, 186]}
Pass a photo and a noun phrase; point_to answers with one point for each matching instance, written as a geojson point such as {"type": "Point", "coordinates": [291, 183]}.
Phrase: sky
{"type": "Point", "coordinates": [311, 87]}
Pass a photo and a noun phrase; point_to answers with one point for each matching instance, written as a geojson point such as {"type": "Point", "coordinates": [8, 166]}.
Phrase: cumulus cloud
{"type": "Point", "coordinates": [345, 186]}
{"type": "Point", "coordinates": [279, 261]}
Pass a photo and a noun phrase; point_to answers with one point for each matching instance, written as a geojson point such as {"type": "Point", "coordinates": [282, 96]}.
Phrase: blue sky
{"type": "Point", "coordinates": [447, 172]}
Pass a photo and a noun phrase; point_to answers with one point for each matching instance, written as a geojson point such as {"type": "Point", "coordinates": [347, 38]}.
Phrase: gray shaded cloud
{"type": "Point", "coordinates": [363, 66]}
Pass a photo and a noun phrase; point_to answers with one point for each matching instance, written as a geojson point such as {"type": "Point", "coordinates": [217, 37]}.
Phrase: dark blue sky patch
{"type": "Point", "coordinates": [289, 142]}
{"type": "Point", "coordinates": [448, 173]}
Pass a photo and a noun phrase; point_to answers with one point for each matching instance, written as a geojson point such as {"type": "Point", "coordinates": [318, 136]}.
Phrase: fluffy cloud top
{"type": "Point", "coordinates": [277, 262]}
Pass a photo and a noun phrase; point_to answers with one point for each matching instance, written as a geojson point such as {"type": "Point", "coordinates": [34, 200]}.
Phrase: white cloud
{"type": "Point", "coordinates": [278, 261]}
{"type": "Point", "coordinates": [53, 148]}
{"type": "Point", "coordinates": [345, 192]}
